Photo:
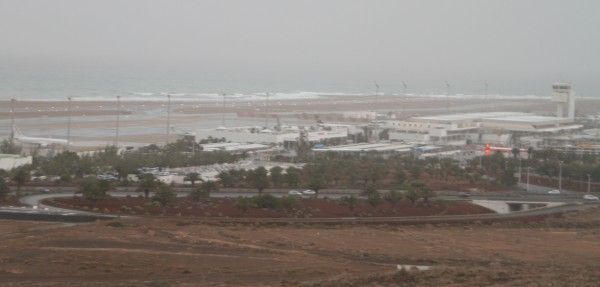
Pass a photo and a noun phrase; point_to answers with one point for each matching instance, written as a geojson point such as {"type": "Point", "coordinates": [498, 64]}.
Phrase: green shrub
{"type": "Point", "coordinates": [266, 201]}
{"type": "Point", "coordinates": [393, 197]}
{"type": "Point", "coordinates": [244, 203]}
{"type": "Point", "coordinates": [287, 202]}
{"type": "Point", "coordinates": [350, 201]}
{"type": "Point", "coordinates": [374, 198]}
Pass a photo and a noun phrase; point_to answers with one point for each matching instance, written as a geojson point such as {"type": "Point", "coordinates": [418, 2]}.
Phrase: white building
{"type": "Point", "coordinates": [361, 148]}
{"type": "Point", "coordinates": [10, 161]}
{"type": "Point", "coordinates": [497, 128]}
{"type": "Point", "coordinates": [266, 136]}
{"type": "Point", "coordinates": [564, 98]}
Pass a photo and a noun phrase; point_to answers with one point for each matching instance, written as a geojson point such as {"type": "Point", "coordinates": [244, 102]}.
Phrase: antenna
{"type": "Point", "coordinates": [69, 122]}
{"type": "Point", "coordinates": [447, 97]}
{"type": "Point", "coordinates": [118, 121]}
{"type": "Point", "coordinates": [168, 118]}
{"type": "Point", "coordinates": [12, 120]}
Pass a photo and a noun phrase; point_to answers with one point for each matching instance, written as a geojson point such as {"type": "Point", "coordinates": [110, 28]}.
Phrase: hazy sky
{"type": "Point", "coordinates": [517, 46]}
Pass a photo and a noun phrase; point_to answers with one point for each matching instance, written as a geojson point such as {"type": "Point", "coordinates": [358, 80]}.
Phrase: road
{"type": "Point", "coordinates": [572, 201]}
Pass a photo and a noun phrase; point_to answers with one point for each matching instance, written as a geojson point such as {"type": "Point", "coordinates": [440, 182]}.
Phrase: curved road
{"type": "Point", "coordinates": [572, 202]}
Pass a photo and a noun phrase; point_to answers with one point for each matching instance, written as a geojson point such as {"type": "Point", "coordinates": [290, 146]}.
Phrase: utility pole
{"type": "Point", "coordinates": [12, 120]}
{"type": "Point", "coordinates": [168, 118]}
{"type": "Point", "coordinates": [560, 164]}
{"type": "Point", "coordinates": [589, 183]}
{"type": "Point", "coordinates": [118, 121]}
{"type": "Point", "coordinates": [69, 123]}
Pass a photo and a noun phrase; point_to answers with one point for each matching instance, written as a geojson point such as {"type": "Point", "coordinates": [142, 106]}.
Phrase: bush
{"type": "Point", "coordinates": [115, 224]}
{"type": "Point", "coordinates": [94, 189]}
{"type": "Point", "coordinates": [244, 203]}
{"type": "Point", "coordinates": [164, 195]}
{"type": "Point", "coordinates": [203, 191]}
{"type": "Point", "coordinates": [350, 201]}
{"type": "Point", "coordinates": [393, 197]}
{"type": "Point", "coordinates": [374, 198]}
{"type": "Point", "coordinates": [287, 202]}
{"type": "Point", "coordinates": [266, 201]}
{"type": "Point", "coordinates": [4, 190]}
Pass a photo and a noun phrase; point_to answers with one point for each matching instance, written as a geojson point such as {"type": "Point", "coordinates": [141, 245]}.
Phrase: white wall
{"type": "Point", "coordinates": [8, 162]}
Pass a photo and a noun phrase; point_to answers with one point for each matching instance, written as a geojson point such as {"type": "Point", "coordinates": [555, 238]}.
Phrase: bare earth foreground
{"type": "Point", "coordinates": [180, 252]}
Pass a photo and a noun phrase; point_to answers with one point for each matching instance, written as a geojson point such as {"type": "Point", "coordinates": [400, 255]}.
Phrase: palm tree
{"type": "Point", "coordinates": [259, 179]}
{"type": "Point", "coordinates": [276, 175]}
{"type": "Point", "coordinates": [193, 177]}
{"type": "Point", "coordinates": [148, 183]}
{"type": "Point", "coordinates": [515, 151]}
{"type": "Point", "coordinates": [21, 176]}
{"type": "Point", "coordinates": [204, 190]}
{"type": "Point", "coordinates": [4, 190]}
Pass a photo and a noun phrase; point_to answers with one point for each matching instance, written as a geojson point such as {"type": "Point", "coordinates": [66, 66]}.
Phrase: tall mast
{"type": "Point", "coordinates": [69, 122]}
{"type": "Point", "coordinates": [168, 118]}
{"type": "Point", "coordinates": [12, 120]}
{"type": "Point", "coordinates": [118, 121]}
{"type": "Point", "coordinates": [223, 111]}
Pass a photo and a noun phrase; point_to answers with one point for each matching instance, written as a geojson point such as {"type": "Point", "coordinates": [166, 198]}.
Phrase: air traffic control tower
{"type": "Point", "coordinates": [564, 98]}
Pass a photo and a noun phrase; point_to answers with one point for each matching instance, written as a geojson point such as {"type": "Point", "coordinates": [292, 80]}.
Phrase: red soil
{"type": "Point", "coordinates": [317, 208]}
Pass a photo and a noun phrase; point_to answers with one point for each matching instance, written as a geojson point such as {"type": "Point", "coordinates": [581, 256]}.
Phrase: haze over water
{"type": "Point", "coordinates": [56, 49]}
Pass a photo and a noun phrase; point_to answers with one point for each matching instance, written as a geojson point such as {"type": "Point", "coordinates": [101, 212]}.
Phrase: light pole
{"type": "Point", "coordinates": [69, 122]}
{"type": "Point", "coordinates": [267, 111]}
{"type": "Point", "coordinates": [589, 183]}
{"type": "Point", "coordinates": [528, 178]}
{"type": "Point", "coordinates": [168, 118]}
{"type": "Point", "coordinates": [223, 111]}
{"type": "Point", "coordinates": [520, 171]}
{"type": "Point", "coordinates": [560, 164]}
{"type": "Point", "coordinates": [12, 120]}
{"type": "Point", "coordinates": [118, 121]}
{"type": "Point", "coordinates": [447, 97]}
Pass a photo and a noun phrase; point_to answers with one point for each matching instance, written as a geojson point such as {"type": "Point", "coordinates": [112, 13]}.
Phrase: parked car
{"type": "Point", "coordinates": [294, 192]}
{"type": "Point", "coordinates": [463, 194]}
{"type": "Point", "coordinates": [554, 191]}
{"type": "Point", "coordinates": [590, 197]}
{"type": "Point", "coordinates": [309, 192]}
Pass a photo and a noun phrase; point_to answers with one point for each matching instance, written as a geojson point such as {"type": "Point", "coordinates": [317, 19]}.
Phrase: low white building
{"type": "Point", "coordinates": [266, 136]}
{"type": "Point", "coordinates": [361, 148]}
{"type": "Point", "coordinates": [10, 161]}
{"type": "Point", "coordinates": [458, 129]}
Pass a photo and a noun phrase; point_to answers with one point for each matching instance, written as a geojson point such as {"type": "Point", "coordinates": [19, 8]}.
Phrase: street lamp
{"type": "Point", "coordinates": [168, 119]}
{"type": "Point", "coordinates": [12, 120]}
{"type": "Point", "coordinates": [527, 178]}
{"type": "Point", "coordinates": [560, 164]}
{"type": "Point", "coordinates": [69, 122]}
{"type": "Point", "coordinates": [118, 122]}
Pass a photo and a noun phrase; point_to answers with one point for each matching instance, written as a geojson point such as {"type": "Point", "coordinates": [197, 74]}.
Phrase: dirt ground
{"type": "Point", "coordinates": [301, 208]}
{"type": "Point", "coordinates": [562, 251]}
